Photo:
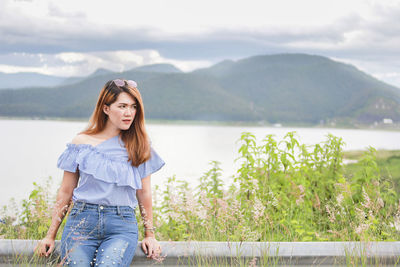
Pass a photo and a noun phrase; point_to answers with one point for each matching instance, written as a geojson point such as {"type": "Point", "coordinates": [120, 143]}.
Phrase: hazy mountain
{"type": "Point", "coordinates": [98, 72]}
{"type": "Point", "coordinates": [28, 79]}
{"type": "Point", "coordinates": [219, 69]}
{"type": "Point", "coordinates": [31, 79]}
{"type": "Point", "coordinates": [163, 68]}
{"type": "Point", "coordinates": [274, 88]}
{"type": "Point", "coordinates": [299, 87]}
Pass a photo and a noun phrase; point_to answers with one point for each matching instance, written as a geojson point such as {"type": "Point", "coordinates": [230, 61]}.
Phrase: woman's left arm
{"type": "Point", "coordinates": [150, 245]}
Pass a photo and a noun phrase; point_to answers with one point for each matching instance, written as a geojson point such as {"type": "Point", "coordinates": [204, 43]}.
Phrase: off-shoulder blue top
{"type": "Point", "coordinates": [106, 175]}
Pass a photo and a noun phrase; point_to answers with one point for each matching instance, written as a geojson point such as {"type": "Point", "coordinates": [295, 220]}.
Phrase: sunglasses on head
{"type": "Point", "coordinates": [120, 82]}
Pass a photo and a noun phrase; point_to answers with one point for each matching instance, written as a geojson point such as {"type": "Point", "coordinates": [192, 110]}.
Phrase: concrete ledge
{"type": "Point", "coordinates": [204, 253]}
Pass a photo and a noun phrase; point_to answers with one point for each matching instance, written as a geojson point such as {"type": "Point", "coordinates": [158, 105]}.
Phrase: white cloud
{"type": "Point", "coordinates": [81, 64]}
{"type": "Point", "coordinates": [71, 57]}
{"type": "Point", "coordinates": [70, 37]}
{"type": "Point", "coordinates": [172, 18]}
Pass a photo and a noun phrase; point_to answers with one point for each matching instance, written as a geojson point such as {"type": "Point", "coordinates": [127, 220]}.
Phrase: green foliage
{"type": "Point", "coordinates": [211, 183]}
{"type": "Point", "coordinates": [282, 191]}
{"type": "Point", "coordinates": [285, 191]}
{"type": "Point", "coordinates": [34, 219]}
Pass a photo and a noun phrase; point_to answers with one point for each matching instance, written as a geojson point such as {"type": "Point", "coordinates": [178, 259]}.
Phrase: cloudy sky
{"type": "Point", "coordinates": [75, 37]}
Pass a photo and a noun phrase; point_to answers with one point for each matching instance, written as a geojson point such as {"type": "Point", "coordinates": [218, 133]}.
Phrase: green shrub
{"type": "Point", "coordinates": [282, 191]}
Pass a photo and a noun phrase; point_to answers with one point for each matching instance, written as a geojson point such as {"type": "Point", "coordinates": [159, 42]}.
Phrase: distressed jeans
{"type": "Point", "coordinates": [99, 235]}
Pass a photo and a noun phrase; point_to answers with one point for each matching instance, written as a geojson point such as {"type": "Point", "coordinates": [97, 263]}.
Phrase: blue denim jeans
{"type": "Point", "coordinates": [99, 235]}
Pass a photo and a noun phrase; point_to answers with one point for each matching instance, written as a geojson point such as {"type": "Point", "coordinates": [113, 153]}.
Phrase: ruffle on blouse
{"type": "Point", "coordinates": [105, 167]}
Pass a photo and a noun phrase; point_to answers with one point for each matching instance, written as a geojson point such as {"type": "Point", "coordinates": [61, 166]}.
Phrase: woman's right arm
{"type": "Point", "coordinates": [64, 195]}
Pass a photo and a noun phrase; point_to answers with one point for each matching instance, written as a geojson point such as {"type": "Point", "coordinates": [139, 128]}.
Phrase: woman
{"type": "Point", "coordinates": [112, 160]}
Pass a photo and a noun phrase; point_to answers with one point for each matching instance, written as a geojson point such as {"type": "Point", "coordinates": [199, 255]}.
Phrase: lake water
{"type": "Point", "coordinates": [30, 148]}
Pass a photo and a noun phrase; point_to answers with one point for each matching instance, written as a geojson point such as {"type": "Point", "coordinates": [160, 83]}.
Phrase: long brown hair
{"type": "Point", "coordinates": [135, 138]}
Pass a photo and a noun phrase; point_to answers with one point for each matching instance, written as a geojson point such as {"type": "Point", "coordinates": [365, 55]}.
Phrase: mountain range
{"type": "Point", "coordinates": [282, 88]}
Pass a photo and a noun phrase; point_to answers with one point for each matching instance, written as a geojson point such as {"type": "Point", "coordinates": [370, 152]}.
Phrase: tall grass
{"type": "Point", "coordinates": [31, 219]}
{"type": "Point", "coordinates": [282, 191]}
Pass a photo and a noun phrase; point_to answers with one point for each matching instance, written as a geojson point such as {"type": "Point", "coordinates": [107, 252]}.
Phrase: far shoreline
{"type": "Point", "coordinates": [394, 127]}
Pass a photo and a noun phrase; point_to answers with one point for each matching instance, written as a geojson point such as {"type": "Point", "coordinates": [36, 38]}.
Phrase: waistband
{"type": "Point", "coordinates": [101, 207]}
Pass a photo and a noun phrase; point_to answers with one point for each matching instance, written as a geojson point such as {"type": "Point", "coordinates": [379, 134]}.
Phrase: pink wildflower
{"type": "Point", "coordinates": [332, 217]}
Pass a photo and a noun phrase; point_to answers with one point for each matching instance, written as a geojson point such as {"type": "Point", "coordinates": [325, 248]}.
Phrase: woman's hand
{"type": "Point", "coordinates": [151, 247]}
{"type": "Point", "coordinates": [45, 247]}
{"type": "Point", "coordinates": [70, 180]}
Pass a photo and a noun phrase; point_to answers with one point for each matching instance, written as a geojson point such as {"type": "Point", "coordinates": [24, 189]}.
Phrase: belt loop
{"type": "Point", "coordinates": [82, 206]}
{"type": "Point", "coordinates": [118, 211]}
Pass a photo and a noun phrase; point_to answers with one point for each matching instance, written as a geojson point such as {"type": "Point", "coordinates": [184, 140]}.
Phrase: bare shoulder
{"type": "Point", "coordinates": [80, 139]}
